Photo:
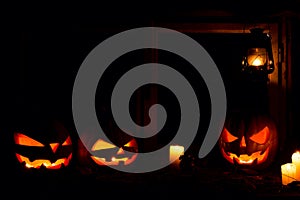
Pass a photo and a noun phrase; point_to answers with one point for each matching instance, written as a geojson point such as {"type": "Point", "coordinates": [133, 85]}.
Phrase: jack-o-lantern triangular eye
{"type": "Point", "coordinates": [227, 136]}
{"type": "Point", "coordinates": [131, 143]}
{"type": "Point", "coordinates": [67, 141]}
{"type": "Point", "coordinates": [22, 139]}
{"type": "Point", "coordinates": [262, 136]}
{"type": "Point", "coordinates": [101, 144]}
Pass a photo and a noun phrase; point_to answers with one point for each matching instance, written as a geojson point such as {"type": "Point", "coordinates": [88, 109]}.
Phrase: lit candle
{"type": "Point", "coordinates": [296, 161]}
{"type": "Point", "coordinates": [288, 172]}
{"type": "Point", "coordinates": [175, 152]}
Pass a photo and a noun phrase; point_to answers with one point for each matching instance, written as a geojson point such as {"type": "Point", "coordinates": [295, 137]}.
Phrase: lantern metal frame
{"type": "Point", "coordinates": [259, 46]}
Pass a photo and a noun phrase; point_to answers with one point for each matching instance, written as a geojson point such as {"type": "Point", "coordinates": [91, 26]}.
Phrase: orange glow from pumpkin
{"type": "Point", "coordinates": [246, 159]}
{"type": "Point", "coordinates": [43, 162]}
{"type": "Point", "coordinates": [228, 137]}
{"type": "Point", "coordinates": [262, 136]}
{"type": "Point", "coordinates": [54, 146]}
{"type": "Point", "coordinates": [114, 160]}
{"type": "Point", "coordinates": [67, 141]}
{"type": "Point", "coordinates": [101, 145]}
{"type": "Point", "coordinates": [120, 151]}
{"type": "Point", "coordinates": [131, 143]}
{"type": "Point", "coordinates": [22, 139]}
{"type": "Point", "coordinates": [243, 142]}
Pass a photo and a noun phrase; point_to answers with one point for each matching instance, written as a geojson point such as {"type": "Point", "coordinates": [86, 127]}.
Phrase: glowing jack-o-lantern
{"type": "Point", "coordinates": [98, 153]}
{"type": "Point", "coordinates": [249, 140]}
{"type": "Point", "coordinates": [46, 145]}
{"type": "Point", "coordinates": [106, 153]}
{"type": "Point", "coordinates": [94, 151]}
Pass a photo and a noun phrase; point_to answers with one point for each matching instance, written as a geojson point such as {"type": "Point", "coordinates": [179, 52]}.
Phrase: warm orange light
{"type": "Point", "coordinates": [174, 153]}
{"type": "Point", "coordinates": [22, 139]}
{"type": "Point", "coordinates": [243, 142]}
{"type": "Point", "coordinates": [43, 162]}
{"type": "Point", "coordinates": [33, 153]}
{"type": "Point", "coordinates": [257, 56]}
{"type": "Point", "coordinates": [132, 143]}
{"type": "Point", "coordinates": [246, 159]}
{"type": "Point", "coordinates": [125, 159]}
{"type": "Point", "coordinates": [228, 137]}
{"type": "Point", "coordinates": [262, 136]}
{"type": "Point", "coordinates": [54, 146]}
{"type": "Point", "coordinates": [288, 172]}
{"type": "Point", "coordinates": [68, 141]}
{"type": "Point", "coordinates": [101, 144]}
{"type": "Point", "coordinates": [114, 160]}
{"type": "Point", "coordinates": [258, 61]}
{"type": "Point", "coordinates": [120, 151]}
{"type": "Point", "coordinates": [296, 161]}
{"type": "Point", "coordinates": [296, 157]}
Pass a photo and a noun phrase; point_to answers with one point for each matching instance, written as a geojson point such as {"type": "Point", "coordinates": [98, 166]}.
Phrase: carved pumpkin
{"type": "Point", "coordinates": [44, 144]}
{"type": "Point", "coordinates": [122, 150]}
{"type": "Point", "coordinates": [105, 153]}
{"type": "Point", "coordinates": [249, 140]}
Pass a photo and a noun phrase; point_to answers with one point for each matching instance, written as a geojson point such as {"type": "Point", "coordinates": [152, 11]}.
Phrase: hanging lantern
{"type": "Point", "coordinates": [258, 57]}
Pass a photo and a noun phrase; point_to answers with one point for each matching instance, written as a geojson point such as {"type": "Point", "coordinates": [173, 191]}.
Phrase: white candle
{"type": "Point", "coordinates": [296, 161]}
{"type": "Point", "coordinates": [175, 152]}
{"type": "Point", "coordinates": [288, 172]}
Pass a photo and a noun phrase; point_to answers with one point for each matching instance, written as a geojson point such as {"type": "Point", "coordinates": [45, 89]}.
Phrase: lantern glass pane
{"type": "Point", "coordinates": [257, 56]}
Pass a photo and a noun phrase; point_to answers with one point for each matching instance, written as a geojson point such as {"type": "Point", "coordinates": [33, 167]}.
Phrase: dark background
{"type": "Point", "coordinates": [51, 55]}
{"type": "Point", "coordinates": [46, 45]}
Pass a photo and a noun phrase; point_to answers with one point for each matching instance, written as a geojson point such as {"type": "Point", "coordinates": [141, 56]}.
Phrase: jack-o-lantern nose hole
{"type": "Point", "coordinates": [54, 146]}
{"type": "Point", "coordinates": [243, 142]}
{"type": "Point", "coordinates": [120, 151]}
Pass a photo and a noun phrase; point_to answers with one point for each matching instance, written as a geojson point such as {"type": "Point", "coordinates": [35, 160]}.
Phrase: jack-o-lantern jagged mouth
{"type": "Point", "coordinates": [257, 157]}
{"type": "Point", "coordinates": [44, 162]}
{"type": "Point", "coordinates": [114, 160]}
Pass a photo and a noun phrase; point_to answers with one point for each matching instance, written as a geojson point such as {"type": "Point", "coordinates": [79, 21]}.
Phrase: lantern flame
{"type": "Point", "coordinates": [257, 62]}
